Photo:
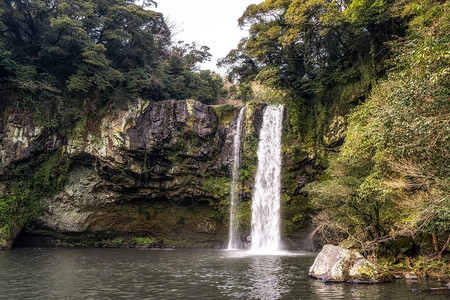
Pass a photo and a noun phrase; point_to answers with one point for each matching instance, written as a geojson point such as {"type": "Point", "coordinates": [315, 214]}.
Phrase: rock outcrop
{"type": "Point", "coordinates": [336, 264]}
{"type": "Point", "coordinates": [21, 137]}
{"type": "Point", "coordinates": [158, 169]}
{"type": "Point", "coordinates": [336, 132]}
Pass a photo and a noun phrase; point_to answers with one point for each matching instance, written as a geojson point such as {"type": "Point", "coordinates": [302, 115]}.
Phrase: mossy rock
{"type": "Point", "coordinates": [226, 113]}
{"type": "Point", "coordinates": [336, 264]}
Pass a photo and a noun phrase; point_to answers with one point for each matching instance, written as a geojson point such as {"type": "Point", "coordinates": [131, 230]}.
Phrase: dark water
{"type": "Point", "coordinates": [48, 273]}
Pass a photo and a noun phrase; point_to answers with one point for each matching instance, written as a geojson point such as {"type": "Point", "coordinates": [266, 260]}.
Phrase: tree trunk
{"type": "Point", "coordinates": [435, 242]}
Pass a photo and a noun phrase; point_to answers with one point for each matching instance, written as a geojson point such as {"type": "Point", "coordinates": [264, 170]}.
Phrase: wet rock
{"type": "Point", "coordinates": [336, 132]}
{"type": "Point", "coordinates": [410, 276]}
{"type": "Point", "coordinates": [21, 138]}
{"type": "Point", "coordinates": [7, 236]}
{"type": "Point", "coordinates": [336, 264]}
{"type": "Point", "coordinates": [135, 170]}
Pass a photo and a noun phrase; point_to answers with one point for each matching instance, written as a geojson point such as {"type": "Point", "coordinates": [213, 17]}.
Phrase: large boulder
{"type": "Point", "coordinates": [336, 264]}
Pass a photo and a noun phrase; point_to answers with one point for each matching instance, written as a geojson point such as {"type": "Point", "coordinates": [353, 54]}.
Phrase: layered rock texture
{"type": "Point", "coordinates": [336, 264]}
{"type": "Point", "coordinates": [157, 169]}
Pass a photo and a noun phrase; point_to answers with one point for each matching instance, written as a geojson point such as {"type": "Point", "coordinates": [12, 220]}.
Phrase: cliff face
{"type": "Point", "coordinates": [21, 137]}
{"type": "Point", "coordinates": [153, 169]}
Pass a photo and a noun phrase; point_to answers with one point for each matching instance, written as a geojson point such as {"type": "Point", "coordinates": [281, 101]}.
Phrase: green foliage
{"type": "Point", "coordinates": [309, 44]}
{"type": "Point", "coordinates": [249, 161]}
{"type": "Point", "coordinates": [245, 92]}
{"type": "Point", "coordinates": [363, 12]}
{"type": "Point", "coordinates": [29, 183]}
{"type": "Point", "coordinates": [141, 241]}
{"type": "Point", "coordinates": [225, 113]}
{"type": "Point", "coordinates": [81, 50]}
{"type": "Point", "coordinates": [219, 186]}
{"type": "Point", "coordinates": [112, 242]}
{"type": "Point", "coordinates": [295, 213]}
{"type": "Point", "coordinates": [7, 65]}
{"type": "Point", "coordinates": [244, 217]}
{"type": "Point", "coordinates": [181, 78]}
{"type": "Point", "coordinates": [14, 211]}
{"type": "Point", "coordinates": [392, 173]}
{"type": "Point", "coordinates": [418, 265]}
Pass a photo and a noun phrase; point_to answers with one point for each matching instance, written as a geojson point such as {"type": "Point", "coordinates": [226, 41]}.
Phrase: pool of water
{"type": "Point", "coordinates": [52, 273]}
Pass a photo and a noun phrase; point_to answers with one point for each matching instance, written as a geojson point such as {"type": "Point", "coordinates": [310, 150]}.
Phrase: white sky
{"type": "Point", "coordinates": [212, 23]}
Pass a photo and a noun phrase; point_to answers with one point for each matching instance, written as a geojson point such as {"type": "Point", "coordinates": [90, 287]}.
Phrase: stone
{"type": "Point", "coordinates": [21, 138]}
{"type": "Point", "coordinates": [336, 132]}
{"type": "Point", "coordinates": [7, 237]}
{"type": "Point", "coordinates": [135, 170]}
{"type": "Point", "coordinates": [336, 264]}
{"type": "Point", "coordinates": [410, 276]}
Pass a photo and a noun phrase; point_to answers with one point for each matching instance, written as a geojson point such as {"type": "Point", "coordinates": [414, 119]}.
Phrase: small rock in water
{"type": "Point", "coordinates": [411, 276]}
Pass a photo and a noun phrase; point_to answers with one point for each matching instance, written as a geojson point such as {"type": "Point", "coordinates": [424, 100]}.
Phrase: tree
{"type": "Point", "coordinates": [391, 175]}
{"type": "Point", "coordinates": [312, 42]}
{"type": "Point", "coordinates": [84, 45]}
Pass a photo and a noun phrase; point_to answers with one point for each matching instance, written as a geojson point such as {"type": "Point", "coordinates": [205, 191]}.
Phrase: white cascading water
{"type": "Point", "coordinates": [234, 241]}
{"type": "Point", "coordinates": [266, 235]}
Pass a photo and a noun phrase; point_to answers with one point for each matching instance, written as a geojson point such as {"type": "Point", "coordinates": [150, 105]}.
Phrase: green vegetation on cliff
{"type": "Point", "coordinates": [391, 176]}
{"type": "Point", "coordinates": [367, 97]}
{"type": "Point", "coordinates": [65, 66]}
{"type": "Point", "coordinates": [28, 184]}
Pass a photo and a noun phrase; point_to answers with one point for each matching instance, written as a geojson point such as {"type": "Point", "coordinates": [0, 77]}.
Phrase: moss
{"type": "Point", "coordinates": [225, 113]}
{"type": "Point", "coordinates": [28, 183]}
{"type": "Point", "coordinates": [422, 265]}
{"type": "Point", "coordinates": [3, 243]}
{"type": "Point", "coordinates": [245, 217]}
{"type": "Point", "coordinates": [112, 242]}
{"type": "Point", "coordinates": [190, 108]}
{"type": "Point", "coordinates": [249, 162]}
{"type": "Point", "coordinates": [218, 186]}
{"type": "Point", "coordinates": [79, 129]}
{"type": "Point", "coordinates": [296, 213]}
{"type": "Point", "coordinates": [6, 232]}
{"type": "Point", "coordinates": [6, 113]}
{"type": "Point", "coordinates": [81, 243]}
{"type": "Point", "coordinates": [141, 241]}
{"type": "Point", "coordinates": [364, 270]}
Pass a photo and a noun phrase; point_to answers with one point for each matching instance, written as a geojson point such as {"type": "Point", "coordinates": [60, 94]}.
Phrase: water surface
{"type": "Point", "coordinates": [49, 273]}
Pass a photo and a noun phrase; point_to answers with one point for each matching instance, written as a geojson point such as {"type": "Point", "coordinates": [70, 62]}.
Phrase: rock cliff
{"type": "Point", "coordinates": [156, 170]}
{"type": "Point", "coordinates": [152, 169]}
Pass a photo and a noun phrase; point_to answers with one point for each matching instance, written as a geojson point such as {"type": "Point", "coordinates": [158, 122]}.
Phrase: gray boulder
{"type": "Point", "coordinates": [336, 264]}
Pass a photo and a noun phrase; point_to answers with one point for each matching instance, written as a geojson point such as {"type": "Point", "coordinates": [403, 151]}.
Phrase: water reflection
{"type": "Point", "coordinates": [327, 291]}
{"type": "Point", "coordinates": [204, 274]}
{"type": "Point", "coordinates": [266, 278]}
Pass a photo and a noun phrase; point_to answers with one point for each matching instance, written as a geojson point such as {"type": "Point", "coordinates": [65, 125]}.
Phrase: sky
{"type": "Point", "coordinates": [212, 23]}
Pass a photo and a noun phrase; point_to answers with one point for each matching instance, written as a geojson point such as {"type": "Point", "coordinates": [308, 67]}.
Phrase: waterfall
{"type": "Point", "coordinates": [266, 235]}
{"type": "Point", "coordinates": [234, 241]}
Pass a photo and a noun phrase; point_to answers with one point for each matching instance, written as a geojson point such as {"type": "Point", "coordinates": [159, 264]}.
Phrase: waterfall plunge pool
{"type": "Point", "coordinates": [91, 273]}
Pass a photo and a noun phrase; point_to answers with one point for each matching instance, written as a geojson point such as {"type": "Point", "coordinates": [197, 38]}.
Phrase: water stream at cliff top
{"type": "Point", "coordinates": [234, 241]}
{"type": "Point", "coordinates": [266, 236]}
